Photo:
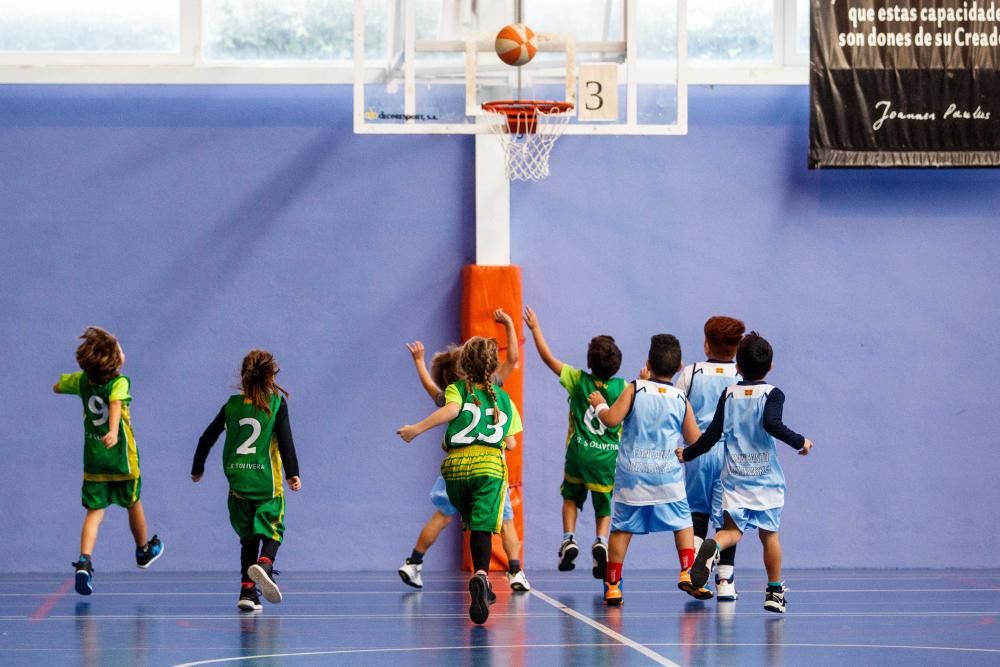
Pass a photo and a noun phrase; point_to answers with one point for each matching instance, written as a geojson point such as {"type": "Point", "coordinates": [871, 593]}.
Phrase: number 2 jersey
{"type": "Point", "coordinates": [258, 444]}
{"type": "Point", "coordinates": [100, 463]}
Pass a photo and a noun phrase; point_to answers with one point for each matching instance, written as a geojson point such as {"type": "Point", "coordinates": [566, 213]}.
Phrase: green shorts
{"type": "Point", "coordinates": [98, 495]}
{"type": "Point", "coordinates": [257, 518]}
{"type": "Point", "coordinates": [585, 471]}
{"type": "Point", "coordinates": [476, 480]}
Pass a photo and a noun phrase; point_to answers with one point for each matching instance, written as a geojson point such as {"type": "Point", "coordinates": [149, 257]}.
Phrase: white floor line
{"type": "Point", "coordinates": [634, 645]}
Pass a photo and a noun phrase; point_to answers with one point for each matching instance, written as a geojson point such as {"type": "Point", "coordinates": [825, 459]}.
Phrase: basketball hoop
{"type": "Point", "coordinates": [527, 130]}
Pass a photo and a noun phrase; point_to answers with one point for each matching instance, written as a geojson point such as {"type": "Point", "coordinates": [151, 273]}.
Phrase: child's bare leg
{"type": "Point", "coordinates": [511, 545]}
{"type": "Point", "coordinates": [431, 530]}
{"type": "Point", "coordinates": [569, 514]}
{"type": "Point", "coordinates": [729, 535]}
{"type": "Point", "coordinates": [88, 535]}
{"type": "Point", "coordinates": [772, 554]}
{"type": "Point", "coordinates": [137, 523]}
{"type": "Point", "coordinates": [603, 525]}
{"type": "Point", "coordinates": [618, 546]}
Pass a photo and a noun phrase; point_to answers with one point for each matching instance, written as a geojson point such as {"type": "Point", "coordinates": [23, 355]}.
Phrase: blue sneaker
{"type": "Point", "coordinates": [84, 576]}
{"type": "Point", "coordinates": [145, 556]}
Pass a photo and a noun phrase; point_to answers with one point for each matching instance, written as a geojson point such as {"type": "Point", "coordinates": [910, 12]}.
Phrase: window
{"type": "Point", "coordinates": [103, 26]}
{"type": "Point", "coordinates": [725, 31]}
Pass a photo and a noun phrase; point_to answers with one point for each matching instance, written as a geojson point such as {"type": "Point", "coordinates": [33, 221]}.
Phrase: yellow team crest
{"type": "Point", "coordinates": [748, 392]}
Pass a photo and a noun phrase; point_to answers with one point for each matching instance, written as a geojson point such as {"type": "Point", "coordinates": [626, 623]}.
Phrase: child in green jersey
{"type": "Point", "coordinates": [481, 420]}
{"type": "Point", "coordinates": [258, 443]}
{"type": "Point", "coordinates": [591, 447]}
{"type": "Point", "coordinates": [445, 369]}
{"type": "Point", "coordinates": [110, 456]}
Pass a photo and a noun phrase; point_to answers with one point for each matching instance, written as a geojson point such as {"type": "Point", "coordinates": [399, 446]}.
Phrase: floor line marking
{"type": "Point", "coordinates": [647, 591]}
{"type": "Point", "coordinates": [51, 601]}
{"type": "Point", "coordinates": [382, 650]}
{"type": "Point", "coordinates": [636, 646]}
{"type": "Point", "coordinates": [802, 645]}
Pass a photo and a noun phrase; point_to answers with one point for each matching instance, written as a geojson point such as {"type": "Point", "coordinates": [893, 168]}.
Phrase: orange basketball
{"type": "Point", "coordinates": [516, 44]}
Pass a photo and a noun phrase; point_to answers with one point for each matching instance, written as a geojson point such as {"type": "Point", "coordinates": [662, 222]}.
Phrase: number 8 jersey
{"type": "Point", "coordinates": [250, 457]}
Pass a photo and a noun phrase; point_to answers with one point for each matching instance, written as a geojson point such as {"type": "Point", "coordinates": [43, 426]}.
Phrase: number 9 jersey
{"type": "Point", "coordinates": [100, 463]}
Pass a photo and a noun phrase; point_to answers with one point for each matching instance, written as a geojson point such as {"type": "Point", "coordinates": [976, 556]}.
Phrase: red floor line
{"type": "Point", "coordinates": [43, 611]}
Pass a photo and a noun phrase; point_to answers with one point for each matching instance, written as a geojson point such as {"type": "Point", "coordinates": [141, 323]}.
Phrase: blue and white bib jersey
{"type": "Point", "coordinates": [648, 472]}
{"type": "Point", "coordinates": [748, 421]}
{"type": "Point", "coordinates": [752, 477]}
{"type": "Point", "coordinates": [704, 383]}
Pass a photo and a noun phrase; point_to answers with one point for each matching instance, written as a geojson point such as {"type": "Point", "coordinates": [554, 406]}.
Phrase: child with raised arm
{"type": "Point", "coordinates": [258, 443]}
{"type": "Point", "coordinates": [703, 383]}
{"type": "Point", "coordinates": [445, 370]}
{"type": "Point", "coordinates": [110, 456]}
{"type": "Point", "coordinates": [649, 482]}
{"type": "Point", "coordinates": [748, 419]}
{"type": "Point", "coordinates": [591, 447]}
{"type": "Point", "coordinates": [481, 420]}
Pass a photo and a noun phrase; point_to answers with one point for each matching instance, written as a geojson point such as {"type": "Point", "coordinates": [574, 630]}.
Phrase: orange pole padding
{"type": "Point", "coordinates": [484, 289]}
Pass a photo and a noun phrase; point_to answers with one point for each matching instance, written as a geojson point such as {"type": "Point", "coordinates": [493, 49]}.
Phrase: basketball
{"type": "Point", "coordinates": [516, 44]}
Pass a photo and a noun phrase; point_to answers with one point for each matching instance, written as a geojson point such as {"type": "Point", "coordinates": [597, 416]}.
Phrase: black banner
{"type": "Point", "coordinates": [905, 83]}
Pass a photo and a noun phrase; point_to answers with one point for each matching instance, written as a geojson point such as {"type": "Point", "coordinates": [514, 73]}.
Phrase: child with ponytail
{"type": "Point", "coordinates": [258, 444]}
{"type": "Point", "coordinates": [482, 421]}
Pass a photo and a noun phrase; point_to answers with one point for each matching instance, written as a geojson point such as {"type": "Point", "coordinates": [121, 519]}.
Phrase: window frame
{"type": "Point", "coordinates": [189, 66]}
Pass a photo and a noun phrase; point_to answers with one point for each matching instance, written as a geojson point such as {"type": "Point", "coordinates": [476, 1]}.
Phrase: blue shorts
{"type": "Point", "coordinates": [703, 483]}
{"type": "Point", "coordinates": [439, 498]}
{"type": "Point", "coordinates": [764, 519]}
{"type": "Point", "coordinates": [642, 519]}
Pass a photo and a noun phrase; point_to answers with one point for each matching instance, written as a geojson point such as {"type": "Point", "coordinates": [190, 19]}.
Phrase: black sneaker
{"type": "Point", "coordinates": [84, 576]}
{"type": "Point", "coordinates": [600, 553]}
{"type": "Point", "coordinates": [568, 552]}
{"type": "Point", "coordinates": [479, 607]}
{"type": "Point", "coordinates": [249, 599]}
{"type": "Point", "coordinates": [774, 599]}
{"type": "Point", "coordinates": [491, 596]}
{"type": "Point", "coordinates": [708, 553]}
{"type": "Point", "coordinates": [262, 573]}
{"type": "Point", "coordinates": [147, 555]}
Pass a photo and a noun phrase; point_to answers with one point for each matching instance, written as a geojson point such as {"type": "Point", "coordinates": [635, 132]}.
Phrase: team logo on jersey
{"type": "Point", "coordinates": [662, 390]}
{"type": "Point", "coordinates": [748, 392]}
{"type": "Point", "coordinates": [719, 371]}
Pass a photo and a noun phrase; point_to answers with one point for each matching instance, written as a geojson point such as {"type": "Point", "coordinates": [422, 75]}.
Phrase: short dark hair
{"type": "Point", "coordinates": [723, 335]}
{"type": "Point", "coordinates": [754, 357]}
{"type": "Point", "coordinates": [664, 355]}
{"type": "Point", "coordinates": [603, 357]}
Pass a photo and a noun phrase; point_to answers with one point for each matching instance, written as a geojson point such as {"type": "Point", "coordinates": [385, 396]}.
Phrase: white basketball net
{"type": "Point", "coordinates": [527, 153]}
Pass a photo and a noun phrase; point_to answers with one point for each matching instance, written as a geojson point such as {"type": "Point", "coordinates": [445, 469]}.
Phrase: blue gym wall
{"type": "Point", "coordinates": [197, 222]}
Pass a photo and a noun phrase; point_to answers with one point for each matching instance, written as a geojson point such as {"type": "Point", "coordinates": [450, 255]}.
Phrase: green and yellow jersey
{"type": "Point", "coordinates": [475, 424]}
{"type": "Point", "coordinates": [100, 463]}
{"type": "Point", "coordinates": [250, 457]}
{"type": "Point", "coordinates": [589, 432]}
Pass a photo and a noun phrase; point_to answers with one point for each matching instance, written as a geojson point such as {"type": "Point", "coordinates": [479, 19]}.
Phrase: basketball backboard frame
{"type": "Point", "coordinates": [410, 80]}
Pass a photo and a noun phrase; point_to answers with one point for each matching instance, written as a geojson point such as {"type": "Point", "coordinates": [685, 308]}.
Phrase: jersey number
{"type": "Point", "coordinates": [249, 445]}
{"type": "Point", "coordinates": [99, 408]}
{"type": "Point", "coordinates": [496, 430]}
{"type": "Point", "coordinates": [594, 425]}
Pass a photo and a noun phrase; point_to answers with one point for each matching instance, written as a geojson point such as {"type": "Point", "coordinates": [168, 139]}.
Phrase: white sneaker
{"type": "Point", "coordinates": [725, 590]}
{"type": "Point", "coordinates": [774, 600]}
{"type": "Point", "coordinates": [410, 574]}
{"type": "Point", "coordinates": [518, 582]}
{"type": "Point", "coordinates": [568, 552]}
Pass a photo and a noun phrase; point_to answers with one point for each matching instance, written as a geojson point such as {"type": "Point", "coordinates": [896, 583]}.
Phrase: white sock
{"type": "Point", "coordinates": [724, 572]}
{"type": "Point", "coordinates": [697, 543]}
